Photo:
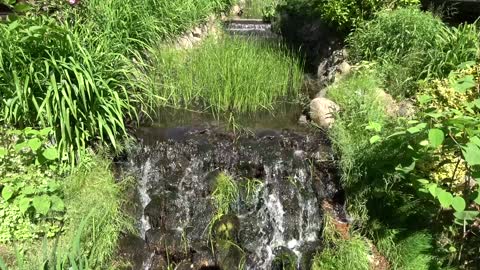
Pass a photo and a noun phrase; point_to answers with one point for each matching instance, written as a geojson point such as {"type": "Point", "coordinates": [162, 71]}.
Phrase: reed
{"type": "Point", "coordinates": [229, 75]}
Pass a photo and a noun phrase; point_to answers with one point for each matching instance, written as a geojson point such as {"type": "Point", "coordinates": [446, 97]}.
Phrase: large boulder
{"type": "Point", "coordinates": [322, 111]}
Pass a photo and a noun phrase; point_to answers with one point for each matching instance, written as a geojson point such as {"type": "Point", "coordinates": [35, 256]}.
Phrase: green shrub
{"type": "Point", "coordinates": [410, 45]}
{"type": "Point", "coordinates": [395, 34]}
{"type": "Point", "coordinates": [54, 76]}
{"type": "Point", "coordinates": [231, 74]}
{"type": "Point", "coordinates": [343, 15]}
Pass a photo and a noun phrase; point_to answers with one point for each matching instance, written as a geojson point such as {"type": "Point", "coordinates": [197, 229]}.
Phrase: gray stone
{"type": "Point", "coordinates": [389, 103]}
{"type": "Point", "coordinates": [344, 68]}
{"type": "Point", "coordinates": [197, 32]}
{"type": "Point", "coordinates": [322, 111]}
{"type": "Point", "coordinates": [303, 120]}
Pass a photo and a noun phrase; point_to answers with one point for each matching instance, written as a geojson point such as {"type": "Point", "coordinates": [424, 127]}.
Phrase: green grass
{"type": "Point", "coordinates": [259, 8]}
{"type": "Point", "coordinates": [339, 252]}
{"type": "Point", "coordinates": [54, 75]}
{"type": "Point", "coordinates": [357, 97]}
{"type": "Point", "coordinates": [136, 23]}
{"type": "Point", "coordinates": [92, 191]}
{"type": "Point", "coordinates": [409, 45]}
{"type": "Point", "coordinates": [232, 74]}
{"type": "Point", "coordinates": [94, 202]}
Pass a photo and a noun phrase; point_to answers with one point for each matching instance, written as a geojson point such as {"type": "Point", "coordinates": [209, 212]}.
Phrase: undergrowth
{"type": "Point", "coordinates": [94, 219]}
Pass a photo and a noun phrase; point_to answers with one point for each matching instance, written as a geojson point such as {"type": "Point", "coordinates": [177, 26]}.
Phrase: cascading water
{"type": "Point", "coordinates": [278, 227]}
{"type": "Point", "coordinates": [249, 27]}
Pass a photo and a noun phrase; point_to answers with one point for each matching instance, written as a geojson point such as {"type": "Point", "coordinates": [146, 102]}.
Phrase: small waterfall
{"type": "Point", "coordinates": [177, 171]}
{"type": "Point", "coordinates": [250, 27]}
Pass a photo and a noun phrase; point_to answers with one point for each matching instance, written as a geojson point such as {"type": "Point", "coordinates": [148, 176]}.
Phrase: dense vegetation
{"type": "Point", "coordinates": [411, 177]}
{"type": "Point", "coordinates": [76, 77]}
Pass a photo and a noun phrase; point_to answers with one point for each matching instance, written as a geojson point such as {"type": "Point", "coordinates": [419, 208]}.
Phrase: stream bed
{"type": "Point", "coordinates": [279, 179]}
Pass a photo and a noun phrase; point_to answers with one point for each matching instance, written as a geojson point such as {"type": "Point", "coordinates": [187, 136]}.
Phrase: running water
{"type": "Point", "coordinates": [279, 226]}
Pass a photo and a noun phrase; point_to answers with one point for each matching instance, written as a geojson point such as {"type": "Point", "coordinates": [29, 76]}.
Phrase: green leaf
{"type": "Point", "coordinates": [424, 143]}
{"type": "Point", "coordinates": [24, 204]}
{"type": "Point", "coordinates": [436, 137]}
{"type": "Point", "coordinates": [417, 128]}
{"type": "Point", "coordinates": [464, 84]}
{"type": "Point", "coordinates": [22, 7]}
{"type": "Point", "coordinates": [476, 102]}
{"type": "Point", "coordinates": [472, 154]}
{"type": "Point", "coordinates": [7, 192]}
{"type": "Point", "coordinates": [475, 140]}
{"type": "Point", "coordinates": [458, 203]}
{"type": "Point", "coordinates": [423, 99]}
{"type": "Point", "coordinates": [41, 204]}
{"type": "Point", "coordinates": [374, 126]}
{"type": "Point", "coordinates": [466, 215]}
{"type": "Point", "coordinates": [34, 144]}
{"type": "Point", "coordinates": [406, 169]}
{"type": "Point", "coordinates": [45, 131]}
{"type": "Point", "coordinates": [29, 190]}
{"type": "Point", "coordinates": [375, 139]}
{"type": "Point", "coordinates": [3, 152]}
{"type": "Point", "coordinates": [50, 153]}
{"type": "Point", "coordinates": [445, 198]}
{"type": "Point", "coordinates": [57, 203]}
{"type": "Point", "coordinates": [432, 188]}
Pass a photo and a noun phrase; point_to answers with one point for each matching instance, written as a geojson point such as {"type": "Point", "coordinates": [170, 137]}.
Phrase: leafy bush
{"type": "Point", "coordinates": [226, 75]}
{"type": "Point", "coordinates": [410, 45]}
{"type": "Point", "coordinates": [344, 15]}
{"type": "Point", "coordinates": [49, 78]}
{"type": "Point", "coordinates": [445, 141]}
{"type": "Point", "coordinates": [31, 204]}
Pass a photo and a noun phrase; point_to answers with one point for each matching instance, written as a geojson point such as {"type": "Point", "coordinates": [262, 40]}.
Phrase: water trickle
{"type": "Point", "coordinates": [177, 171]}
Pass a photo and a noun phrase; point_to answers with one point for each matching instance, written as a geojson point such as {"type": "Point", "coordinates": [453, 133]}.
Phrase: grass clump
{"type": "Point", "coordinates": [134, 24]}
{"type": "Point", "coordinates": [358, 97]}
{"type": "Point", "coordinates": [411, 45]}
{"type": "Point", "coordinates": [232, 74]}
{"type": "Point", "coordinates": [93, 194]}
{"type": "Point", "coordinates": [341, 252]}
{"type": "Point", "coordinates": [94, 220]}
{"type": "Point", "coordinates": [51, 78]}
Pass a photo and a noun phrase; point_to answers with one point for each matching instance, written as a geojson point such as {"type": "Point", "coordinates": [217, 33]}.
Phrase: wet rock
{"type": "Point", "coordinates": [171, 244]}
{"type": "Point", "coordinates": [308, 253]}
{"type": "Point", "coordinates": [133, 249]}
{"type": "Point", "coordinates": [229, 255]}
{"type": "Point", "coordinates": [322, 112]}
{"type": "Point", "coordinates": [303, 120]}
{"type": "Point", "coordinates": [157, 263]}
{"type": "Point", "coordinates": [295, 171]}
{"type": "Point", "coordinates": [185, 265]}
{"type": "Point", "coordinates": [203, 258]}
{"type": "Point", "coordinates": [226, 228]}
